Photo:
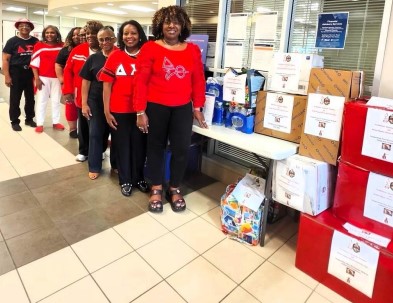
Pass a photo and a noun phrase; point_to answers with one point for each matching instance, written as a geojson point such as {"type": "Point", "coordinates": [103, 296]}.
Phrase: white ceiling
{"type": "Point", "coordinates": [88, 8]}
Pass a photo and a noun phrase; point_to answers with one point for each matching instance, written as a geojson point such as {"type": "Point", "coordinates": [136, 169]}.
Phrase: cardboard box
{"type": "Point", "coordinates": [334, 82]}
{"type": "Point", "coordinates": [304, 184]}
{"type": "Point", "coordinates": [328, 82]}
{"type": "Point", "coordinates": [290, 72]}
{"type": "Point", "coordinates": [313, 253]}
{"type": "Point", "coordinates": [280, 115]}
{"type": "Point", "coordinates": [354, 125]}
{"type": "Point", "coordinates": [363, 199]}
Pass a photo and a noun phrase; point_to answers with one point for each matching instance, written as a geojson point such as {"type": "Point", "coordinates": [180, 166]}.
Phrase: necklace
{"type": "Point", "coordinates": [170, 44]}
{"type": "Point", "coordinates": [132, 54]}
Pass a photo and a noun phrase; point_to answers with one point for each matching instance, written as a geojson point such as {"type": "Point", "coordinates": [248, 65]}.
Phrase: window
{"type": "Point", "coordinates": [361, 46]}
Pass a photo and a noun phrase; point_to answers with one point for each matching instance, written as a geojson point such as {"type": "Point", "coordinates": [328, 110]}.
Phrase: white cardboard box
{"type": "Point", "coordinates": [290, 72]}
{"type": "Point", "coordinates": [303, 183]}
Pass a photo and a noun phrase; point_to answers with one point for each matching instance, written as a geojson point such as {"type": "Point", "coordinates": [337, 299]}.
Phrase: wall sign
{"type": "Point", "coordinates": [331, 30]}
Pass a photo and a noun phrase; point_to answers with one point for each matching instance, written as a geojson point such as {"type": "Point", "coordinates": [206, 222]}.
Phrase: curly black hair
{"type": "Point", "coordinates": [142, 35]}
{"type": "Point", "coordinates": [168, 14]}
{"type": "Point", "coordinates": [93, 26]}
{"type": "Point", "coordinates": [69, 42]}
{"type": "Point", "coordinates": [58, 35]}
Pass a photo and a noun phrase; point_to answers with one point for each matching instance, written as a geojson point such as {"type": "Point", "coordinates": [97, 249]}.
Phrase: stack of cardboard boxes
{"type": "Point", "coordinates": [354, 253]}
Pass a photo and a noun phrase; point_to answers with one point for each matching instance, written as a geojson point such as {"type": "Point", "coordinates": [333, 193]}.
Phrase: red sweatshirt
{"type": "Point", "coordinates": [120, 69]}
{"type": "Point", "coordinates": [72, 81]}
{"type": "Point", "coordinates": [44, 58]}
{"type": "Point", "coordinates": [169, 77]}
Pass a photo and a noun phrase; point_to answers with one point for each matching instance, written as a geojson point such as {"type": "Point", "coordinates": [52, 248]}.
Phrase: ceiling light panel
{"type": "Point", "coordinates": [138, 8]}
{"type": "Point", "coordinates": [109, 11]}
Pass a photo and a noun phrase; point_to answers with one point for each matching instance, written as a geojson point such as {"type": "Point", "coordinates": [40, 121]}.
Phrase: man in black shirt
{"type": "Point", "coordinates": [18, 74]}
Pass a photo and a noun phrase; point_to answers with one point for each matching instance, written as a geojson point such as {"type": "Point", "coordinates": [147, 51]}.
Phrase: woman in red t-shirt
{"type": "Point", "coordinates": [118, 76]}
{"type": "Point", "coordinates": [45, 79]}
{"type": "Point", "coordinates": [169, 92]}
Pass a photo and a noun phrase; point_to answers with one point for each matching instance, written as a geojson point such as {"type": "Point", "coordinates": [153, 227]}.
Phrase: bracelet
{"type": "Point", "coordinates": [140, 113]}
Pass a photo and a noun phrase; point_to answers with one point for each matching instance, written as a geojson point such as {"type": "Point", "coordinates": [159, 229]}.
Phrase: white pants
{"type": "Point", "coordinates": [51, 89]}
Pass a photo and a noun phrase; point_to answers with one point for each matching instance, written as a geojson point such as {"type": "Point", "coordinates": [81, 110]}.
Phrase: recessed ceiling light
{"type": "Point", "coordinates": [108, 11]}
{"type": "Point", "coordinates": [155, 3]}
{"type": "Point", "coordinates": [40, 13]}
{"type": "Point", "coordinates": [74, 7]}
{"type": "Point", "coordinates": [110, 4]}
{"type": "Point", "coordinates": [138, 8]}
{"type": "Point", "coordinates": [15, 9]}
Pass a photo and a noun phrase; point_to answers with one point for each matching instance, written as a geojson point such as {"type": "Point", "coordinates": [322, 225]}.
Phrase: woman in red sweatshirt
{"type": "Point", "coordinates": [169, 92]}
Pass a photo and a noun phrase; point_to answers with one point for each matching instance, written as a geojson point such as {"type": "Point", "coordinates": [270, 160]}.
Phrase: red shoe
{"type": "Point", "coordinates": [58, 126]}
{"type": "Point", "coordinates": [39, 129]}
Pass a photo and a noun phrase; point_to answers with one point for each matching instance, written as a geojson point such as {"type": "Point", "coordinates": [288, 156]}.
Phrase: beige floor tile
{"type": "Point", "coordinates": [7, 171]}
{"type": "Point", "coordinates": [272, 244]}
{"type": "Point", "coordinates": [317, 298]}
{"type": "Point", "coordinates": [82, 291]}
{"type": "Point", "coordinates": [270, 284]}
{"type": "Point", "coordinates": [213, 217]}
{"type": "Point", "coordinates": [140, 230]}
{"type": "Point", "coordinates": [11, 289]}
{"type": "Point", "coordinates": [239, 295]}
{"type": "Point", "coordinates": [101, 249]}
{"type": "Point", "coordinates": [233, 259]}
{"type": "Point", "coordinates": [200, 203]}
{"type": "Point", "coordinates": [214, 191]}
{"type": "Point", "coordinates": [51, 273]}
{"type": "Point", "coordinates": [329, 294]}
{"type": "Point", "coordinates": [171, 219]}
{"type": "Point", "coordinates": [167, 254]}
{"type": "Point", "coordinates": [284, 258]}
{"type": "Point", "coordinates": [126, 279]}
{"type": "Point", "coordinates": [162, 293]}
{"type": "Point", "coordinates": [199, 281]}
{"type": "Point", "coordinates": [199, 234]}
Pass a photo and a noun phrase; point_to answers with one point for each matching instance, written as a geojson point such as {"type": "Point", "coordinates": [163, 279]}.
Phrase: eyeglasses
{"type": "Point", "coordinates": [106, 39]}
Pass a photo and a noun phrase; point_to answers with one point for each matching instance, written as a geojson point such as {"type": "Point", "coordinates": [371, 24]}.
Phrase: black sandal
{"type": "Point", "coordinates": [155, 206]}
{"type": "Point", "coordinates": [177, 205]}
{"type": "Point", "coordinates": [126, 189]}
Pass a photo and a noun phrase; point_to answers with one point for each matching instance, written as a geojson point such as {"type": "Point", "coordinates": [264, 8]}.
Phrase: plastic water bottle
{"type": "Point", "coordinates": [218, 114]}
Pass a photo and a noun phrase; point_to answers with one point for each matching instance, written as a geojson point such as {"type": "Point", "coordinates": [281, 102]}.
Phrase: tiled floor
{"type": "Point", "coordinates": [65, 238]}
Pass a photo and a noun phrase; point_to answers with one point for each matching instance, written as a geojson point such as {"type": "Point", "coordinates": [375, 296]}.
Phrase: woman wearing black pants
{"type": "Point", "coordinates": [170, 90]}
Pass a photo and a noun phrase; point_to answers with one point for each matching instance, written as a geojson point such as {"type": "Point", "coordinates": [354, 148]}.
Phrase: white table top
{"type": "Point", "coordinates": [261, 145]}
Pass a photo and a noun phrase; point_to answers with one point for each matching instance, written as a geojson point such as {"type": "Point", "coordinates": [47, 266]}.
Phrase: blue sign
{"type": "Point", "coordinates": [331, 30]}
{"type": "Point", "coordinates": [201, 41]}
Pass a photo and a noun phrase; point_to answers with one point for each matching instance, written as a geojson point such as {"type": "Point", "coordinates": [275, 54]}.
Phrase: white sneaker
{"type": "Point", "coordinates": [103, 156]}
{"type": "Point", "coordinates": [81, 158]}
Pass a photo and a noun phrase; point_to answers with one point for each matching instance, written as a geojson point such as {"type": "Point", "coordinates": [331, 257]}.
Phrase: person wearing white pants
{"type": "Point", "coordinates": [45, 79]}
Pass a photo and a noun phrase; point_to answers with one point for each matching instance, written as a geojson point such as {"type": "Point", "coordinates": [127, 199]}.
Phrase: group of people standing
{"type": "Point", "coordinates": [144, 93]}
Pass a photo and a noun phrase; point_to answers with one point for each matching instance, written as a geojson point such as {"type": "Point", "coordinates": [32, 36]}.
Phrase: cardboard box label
{"type": "Point", "coordinates": [379, 199]}
{"type": "Point", "coordinates": [353, 262]}
{"type": "Point", "coordinates": [235, 88]}
{"type": "Point", "coordinates": [365, 234]}
{"type": "Point", "coordinates": [278, 112]}
{"type": "Point", "coordinates": [324, 116]}
{"type": "Point", "coordinates": [378, 135]}
{"type": "Point", "coordinates": [287, 72]}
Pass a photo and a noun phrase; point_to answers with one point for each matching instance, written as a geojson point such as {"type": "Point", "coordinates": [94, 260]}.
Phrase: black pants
{"type": "Point", "coordinates": [22, 81]}
{"type": "Point", "coordinates": [83, 134]}
{"type": "Point", "coordinates": [130, 148]}
{"type": "Point", "coordinates": [98, 136]}
{"type": "Point", "coordinates": [173, 124]}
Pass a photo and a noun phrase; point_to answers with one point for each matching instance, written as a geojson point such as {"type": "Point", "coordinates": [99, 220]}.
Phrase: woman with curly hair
{"type": "Point", "coordinates": [169, 92]}
{"type": "Point", "coordinates": [45, 79]}
{"type": "Point", "coordinates": [73, 39]}
{"type": "Point", "coordinates": [118, 76]}
{"type": "Point", "coordinates": [72, 86]}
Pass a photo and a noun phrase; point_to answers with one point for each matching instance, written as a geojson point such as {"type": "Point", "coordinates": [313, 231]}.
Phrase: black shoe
{"type": "Point", "coordinates": [142, 186]}
{"type": "Point", "coordinates": [30, 123]}
{"type": "Point", "coordinates": [74, 134]}
{"type": "Point", "coordinates": [126, 189]}
{"type": "Point", "coordinates": [16, 127]}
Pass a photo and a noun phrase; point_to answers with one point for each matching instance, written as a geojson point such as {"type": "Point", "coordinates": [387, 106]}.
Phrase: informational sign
{"type": "Point", "coordinates": [234, 54]}
{"type": "Point", "coordinates": [237, 28]}
{"type": "Point", "coordinates": [201, 41]}
{"type": "Point", "coordinates": [266, 26]}
{"type": "Point", "coordinates": [262, 56]}
{"type": "Point", "coordinates": [278, 112]}
{"type": "Point", "coordinates": [331, 30]}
